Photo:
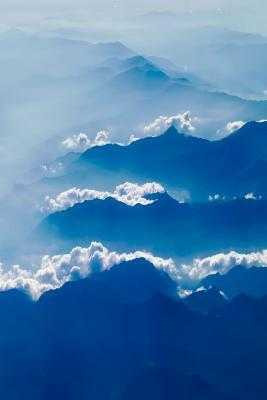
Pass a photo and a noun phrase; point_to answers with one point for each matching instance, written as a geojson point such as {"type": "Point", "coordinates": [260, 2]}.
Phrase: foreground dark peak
{"type": "Point", "coordinates": [106, 330]}
{"type": "Point", "coordinates": [138, 280]}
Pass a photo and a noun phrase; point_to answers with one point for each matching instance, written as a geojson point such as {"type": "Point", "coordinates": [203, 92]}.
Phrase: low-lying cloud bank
{"type": "Point", "coordinates": [221, 263]}
{"type": "Point", "coordinates": [80, 263]}
{"type": "Point", "coordinates": [81, 142]}
{"type": "Point", "coordinates": [128, 193]}
{"type": "Point", "coordinates": [55, 271]}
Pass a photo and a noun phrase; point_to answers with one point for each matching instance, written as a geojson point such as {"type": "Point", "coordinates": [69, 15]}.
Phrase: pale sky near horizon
{"type": "Point", "coordinates": [243, 14]}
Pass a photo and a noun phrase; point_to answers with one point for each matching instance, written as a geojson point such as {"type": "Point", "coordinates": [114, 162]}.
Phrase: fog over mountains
{"type": "Point", "coordinates": [133, 200]}
{"type": "Point", "coordinates": [94, 87]}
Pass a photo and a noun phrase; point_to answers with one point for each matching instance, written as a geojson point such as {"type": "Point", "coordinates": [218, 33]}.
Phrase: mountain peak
{"type": "Point", "coordinates": [171, 131]}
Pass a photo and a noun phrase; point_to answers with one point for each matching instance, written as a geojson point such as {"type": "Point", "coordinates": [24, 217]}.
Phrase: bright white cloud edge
{"type": "Point", "coordinates": [55, 271]}
{"type": "Point", "coordinates": [128, 193]}
{"type": "Point", "coordinates": [183, 122]}
{"type": "Point", "coordinates": [81, 142]}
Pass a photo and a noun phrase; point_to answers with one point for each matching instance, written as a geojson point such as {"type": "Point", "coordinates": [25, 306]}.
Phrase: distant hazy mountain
{"type": "Point", "coordinates": [230, 60]}
{"type": "Point", "coordinates": [94, 87]}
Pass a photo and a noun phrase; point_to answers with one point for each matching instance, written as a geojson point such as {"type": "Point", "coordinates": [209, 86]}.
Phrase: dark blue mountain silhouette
{"type": "Point", "coordinates": [165, 227]}
{"type": "Point", "coordinates": [231, 167]}
{"type": "Point", "coordinates": [205, 301]}
{"type": "Point", "coordinates": [145, 150]}
{"type": "Point", "coordinates": [156, 384]}
{"type": "Point", "coordinates": [252, 281]}
{"type": "Point", "coordinates": [89, 340]}
{"type": "Point", "coordinates": [138, 280]}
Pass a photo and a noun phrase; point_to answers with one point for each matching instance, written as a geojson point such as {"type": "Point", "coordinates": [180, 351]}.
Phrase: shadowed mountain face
{"type": "Point", "coordinates": [252, 281]}
{"type": "Point", "coordinates": [205, 301]}
{"type": "Point", "coordinates": [164, 227]}
{"type": "Point", "coordinates": [164, 384]}
{"type": "Point", "coordinates": [138, 281]}
{"type": "Point", "coordinates": [99, 330]}
{"type": "Point", "coordinates": [231, 167]}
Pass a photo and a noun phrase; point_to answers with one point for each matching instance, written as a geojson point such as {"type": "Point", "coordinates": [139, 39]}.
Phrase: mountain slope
{"type": "Point", "coordinates": [231, 167]}
{"type": "Point", "coordinates": [252, 281]}
{"type": "Point", "coordinates": [163, 227]}
{"type": "Point", "coordinates": [87, 332]}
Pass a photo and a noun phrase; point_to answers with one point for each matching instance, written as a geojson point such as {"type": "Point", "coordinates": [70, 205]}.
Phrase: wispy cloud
{"type": "Point", "coordinates": [230, 127]}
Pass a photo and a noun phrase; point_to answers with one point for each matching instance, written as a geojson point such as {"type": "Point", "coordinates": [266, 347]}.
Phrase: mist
{"type": "Point", "coordinates": [116, 67]}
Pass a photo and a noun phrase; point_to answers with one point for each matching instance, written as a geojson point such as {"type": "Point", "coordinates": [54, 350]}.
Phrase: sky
{"type": "Point", "coordinates": [241, 14]}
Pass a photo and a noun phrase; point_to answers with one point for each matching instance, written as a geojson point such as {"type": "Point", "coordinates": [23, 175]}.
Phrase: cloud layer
{"type": "Point", "coordinates": [81, 142]}
{"type": "Point", "coordinates": [128, 193]}
{"type": "Point", "coordinates": [222, 263]}
{"type": "Point", "coordinates": [183, 122]}
{"type": "Point", "coordinates": [55, 271]}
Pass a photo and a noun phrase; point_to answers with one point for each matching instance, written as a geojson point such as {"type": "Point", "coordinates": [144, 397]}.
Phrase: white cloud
{"type": "Point", "coordinates": [55, 271]}
{"type": "Point", "coordinates": [250, 196]}
{"type": "Point", "coordinates": [200, 268]}
{"type": "Point", "coordinates": [82, 142]}
{"type": "Point", "coordinates": [216, 197]}
{"type": "Point", "coordinates": [230, 128]}
{"type": "Point", "coordinates": [183, 122]}
{"type": "Point", "coordinates": [128, 193]}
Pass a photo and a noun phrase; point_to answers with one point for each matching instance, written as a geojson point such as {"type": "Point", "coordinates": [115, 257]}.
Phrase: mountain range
{"type": "Point", "coordinates": [124, 92]}
{"type": "Point", "coordinates": [214, 178]}
{"type": "Point", "coordinates": [133, 210]}
{"type": "Point", "coordinates": [231, 167]}
{"type": "Point", "coordinates": [92, 331]}
{"type": "Point", "coordinates": [239, 280]}
{"type": "Point", "coordinates": [165, 227]}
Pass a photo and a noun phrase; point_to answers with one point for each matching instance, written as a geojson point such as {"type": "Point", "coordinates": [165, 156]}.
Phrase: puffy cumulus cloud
{"type": "Point", "coordinates": [55, 271]}
{"type": "Point", "coordinates": [183, 122]}
{"type": "Point", "coordinates": [80, 263]}
{"type": "Point", "coordinates": [222, 263]}
{"type": "Point", "coordinates": [230, 128]}
{"type": "Point", "coordinates": [128, 193]}
{"type": "Point", "coordinates": [82, 142]}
